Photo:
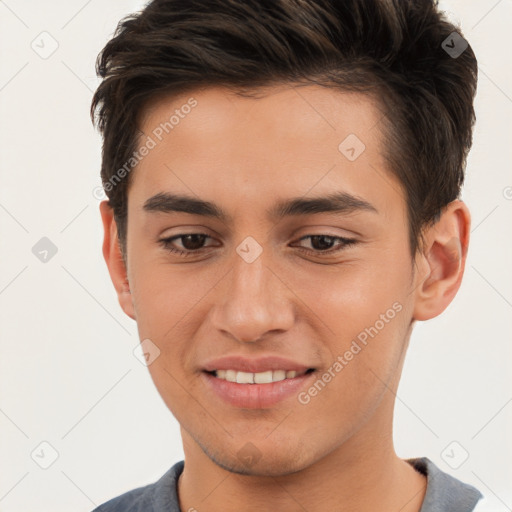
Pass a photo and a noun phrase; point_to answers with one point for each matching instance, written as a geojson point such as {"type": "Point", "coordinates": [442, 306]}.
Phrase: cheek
{"type": "Point", "coordinates": [164, 294]}
{"type": "Point", "coordinates": [362, 315]}
{"type": "Point", "coordinates": [352, 296]}
{"type": "Point", "coordinates": [363, 318]}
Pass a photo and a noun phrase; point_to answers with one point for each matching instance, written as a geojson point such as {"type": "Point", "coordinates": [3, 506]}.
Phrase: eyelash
{"type": "Point", "coordinates": [346, 242]}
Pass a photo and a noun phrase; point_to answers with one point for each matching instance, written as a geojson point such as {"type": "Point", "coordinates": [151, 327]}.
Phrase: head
{"type": "Point", "coordinates": [279, 120]}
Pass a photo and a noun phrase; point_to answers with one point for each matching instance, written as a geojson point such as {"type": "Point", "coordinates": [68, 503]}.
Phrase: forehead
{"type": "Point", "coordinates": [307, 110]}
{"type": "Point", "coordinates": [287, 140]}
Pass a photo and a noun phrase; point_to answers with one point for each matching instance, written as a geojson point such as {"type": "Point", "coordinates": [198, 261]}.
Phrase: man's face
{"type": "Point", "coordinates": [259, 285]}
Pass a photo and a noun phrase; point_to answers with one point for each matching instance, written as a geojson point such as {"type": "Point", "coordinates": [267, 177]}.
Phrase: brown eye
{"type": "Point", "coordinates": [322, 244]}
{"type": "Point", "coordinates": [191, 243]}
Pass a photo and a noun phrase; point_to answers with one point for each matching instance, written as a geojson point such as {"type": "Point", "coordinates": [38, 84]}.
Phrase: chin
{"type": "Point", "coordinates": [252, 463]}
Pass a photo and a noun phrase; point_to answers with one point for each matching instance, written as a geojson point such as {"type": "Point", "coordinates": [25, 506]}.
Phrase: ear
{"type": "Point", "coordinates": [114, 259]}
{"type": "Point", "coordinates": [441, 261]}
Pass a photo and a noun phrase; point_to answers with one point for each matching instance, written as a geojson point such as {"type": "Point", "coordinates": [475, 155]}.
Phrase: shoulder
{"type": "Point", "coordinates": [444, 492]}
{"type": "Point", "coordinates": [159, 496]}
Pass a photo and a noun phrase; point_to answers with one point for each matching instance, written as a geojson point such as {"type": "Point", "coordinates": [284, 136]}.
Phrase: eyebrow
{"type": "Point", "coordinates": [339, 202]}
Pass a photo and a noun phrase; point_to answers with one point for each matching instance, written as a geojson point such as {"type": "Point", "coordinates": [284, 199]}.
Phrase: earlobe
{"type": "Point", "coordinates": [442, 261]}
{"type": "Point", "coordinates": [114, 260]}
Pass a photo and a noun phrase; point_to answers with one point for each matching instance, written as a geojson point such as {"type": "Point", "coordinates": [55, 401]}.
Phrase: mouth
{"type": "Point", "coordinates": [261, 390]}
{"type": "Point", "coordinates": [263, 377]}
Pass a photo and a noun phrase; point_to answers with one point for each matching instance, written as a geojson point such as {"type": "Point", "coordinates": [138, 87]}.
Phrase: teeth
{"type": "Point", "coordinates": [278, 375]}
{"type": "Point", "coordinates": [221, 374]}
{"type": "Point", "coordinates": [255, 378]}
{"type": "Point", "coordinates": [263, 377]}
{"type": "Point", "coordinates": [231, 375]}
{"type": "Point", "coordinates": [245, 378]}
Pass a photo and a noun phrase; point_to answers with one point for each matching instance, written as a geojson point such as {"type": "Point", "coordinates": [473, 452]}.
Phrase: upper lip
{"type": "Point", "coordinates": [256, 365]}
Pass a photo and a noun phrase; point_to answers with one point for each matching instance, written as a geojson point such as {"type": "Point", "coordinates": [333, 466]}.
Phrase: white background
{"type": "Point", "coordinates": [68, 375]}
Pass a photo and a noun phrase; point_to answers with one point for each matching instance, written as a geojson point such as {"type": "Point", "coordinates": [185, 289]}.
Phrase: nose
{"type": "Point", "coordinates": [252, 301]}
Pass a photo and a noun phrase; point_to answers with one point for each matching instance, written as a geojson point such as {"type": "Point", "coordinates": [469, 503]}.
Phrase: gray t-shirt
{"type": "Point", "coordinates": [444, 493]}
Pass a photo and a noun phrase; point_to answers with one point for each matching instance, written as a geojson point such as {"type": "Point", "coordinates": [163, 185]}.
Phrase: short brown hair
{"type": "Point", "coordinates": [397, 50]}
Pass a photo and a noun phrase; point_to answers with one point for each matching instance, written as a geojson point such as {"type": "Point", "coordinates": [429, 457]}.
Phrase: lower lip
{"type": "Point", "coordinates": [256, 396]}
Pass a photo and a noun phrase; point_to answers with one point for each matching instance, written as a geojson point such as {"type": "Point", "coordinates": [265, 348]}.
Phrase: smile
{"type": "Point", "coordinates": [265, 377]}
